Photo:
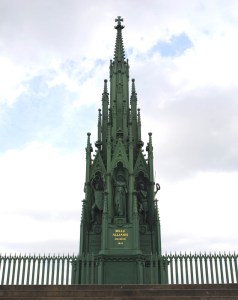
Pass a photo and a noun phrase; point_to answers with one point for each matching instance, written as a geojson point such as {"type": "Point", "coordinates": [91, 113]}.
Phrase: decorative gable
{"type": "Point", "coordinates": [120, 155]}
{"type": "Point", "coordinates": [141, 166]}
{"type": "Point", "coordinates": [98, 165]}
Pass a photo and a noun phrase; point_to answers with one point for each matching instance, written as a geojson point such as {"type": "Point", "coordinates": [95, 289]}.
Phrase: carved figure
{"type": "Point", "coordinates": [142, 202]}
{"type": "Point", "coordinates": [120, 195]}
{"type": "Point", "coordinates": [97, 207]}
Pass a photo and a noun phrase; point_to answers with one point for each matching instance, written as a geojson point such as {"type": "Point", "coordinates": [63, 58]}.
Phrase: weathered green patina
{"type": "Point", "coordinates": [120, 223]}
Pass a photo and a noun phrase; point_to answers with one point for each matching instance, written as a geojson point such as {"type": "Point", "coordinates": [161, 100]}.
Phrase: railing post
{"type": "Point", "coordinates": [236, 266]}
{"type": "Point", "coordinates": [53, 269]}
{"type": "Point", "coordinates": [206, 269]}
{"type": "Point", "coordinates": [162, 268]}
{"type": "Point", "coordinates": [221, 268]}
{"type": "Point", "coordinates": [92, 269]}
{"type": "Point", "coordinates": [19, 269]}
{"type": "Point", "coordinates": [171, 269]}
{"type": "Point", "coordinates": [13, 269]}
{"type": "Point", "coordinates": [23, 269]}
{"type": "Point", "coordinates": [87, 269]}
{"type": "Point", "coordinates": [156, 269]}
{"type": "Point", "coordinates": [191, 268]}
{"type": "Point", "coordinates": [67, 270]}
{"type": "Point", "coordinates": [186, 268]}
{"type": "Point", "coordinates": [226, 268]}
{"type": "Point", "coordinates": [28, 266]}
{"type": "Point", "coordinates": [33, 268]}
{"type": "Point", "coordinates": [62, 270]}
{"type": "Point", "coordinates": [83, 270]}
{"type": "Point", "coordinates": [196, 269]}
{"type": "Point", "coordinates": [3, 269]}
{"type": "Point", "coordinates": [201, 268]}
{"type": "Point", "coordinates": [212, 259]}
{"type": "Point", "coordinates": [176, 268]}
{"type": "Point", "coordinates": [48, 269]}
{"type": "Point", "coordinates": [75, 270]}
{"type": "Point", "coordinates": [56, 267]}
{"type": "Point", "coordinates": [151, 269]}
{"type": "Point", "coordinates": [9, 259]}
{"type": "Point", "coordinates": [43, 270]}
{"type": "Point", "coordinates": [181, 268]}
{"type": "Point", "coordinates": [38, 263]}
{"type": "Point", "coordinates": [216, 269]}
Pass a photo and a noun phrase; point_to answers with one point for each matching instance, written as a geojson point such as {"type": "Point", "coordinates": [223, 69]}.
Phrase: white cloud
{"type": "Point", "coordinates": [39, 172]}
{"type": "Point", "coordinates": [11, 81]}
{"type": "Point", "coordinates": [40, 185]}
{"type": "Point", "coordinates": [210, 63]}
{"type": "Point", "coordinates": [201, 210]}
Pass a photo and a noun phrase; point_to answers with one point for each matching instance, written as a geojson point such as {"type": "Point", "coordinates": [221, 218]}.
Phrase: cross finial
{"type": "Point", "coordinates": [119, 20]}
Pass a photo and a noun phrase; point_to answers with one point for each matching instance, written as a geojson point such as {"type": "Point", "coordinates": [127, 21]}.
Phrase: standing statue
{"type": "Point", "coordinates": [120, 195]}
{"type": "Point", "coordinates": [97, 207]}
{"type": "Point", "coordinates": [142, 203]}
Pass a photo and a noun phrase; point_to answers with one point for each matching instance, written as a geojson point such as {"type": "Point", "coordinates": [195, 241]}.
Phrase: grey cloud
{"type": "Point", "coordinates": [190, 243]}
{"type": "Point", "coordinates": [35, 29]}
{"type": "Point", "coordinates": [201, 132]}
{"type": "Point", "coordinates": [200, 127]}
{"type": "Point", "coordinates": [49, 215]}
{"type": "Point", "coordinates": [54, 246]}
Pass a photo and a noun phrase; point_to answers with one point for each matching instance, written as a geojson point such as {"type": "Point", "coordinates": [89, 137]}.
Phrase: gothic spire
{"type": "Point", "coordinates": [119, 53]}
{"type": "Point", "coordinates": [105, 102]}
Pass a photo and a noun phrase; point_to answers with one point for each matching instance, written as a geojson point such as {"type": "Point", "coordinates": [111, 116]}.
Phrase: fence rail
{"type": "Point", "coordinates": [174, 269]}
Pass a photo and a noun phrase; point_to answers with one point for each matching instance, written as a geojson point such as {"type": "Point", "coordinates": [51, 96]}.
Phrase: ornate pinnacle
{"type": "Point", "coordinates": [149, 146]}
{"type": "Point", "coordinates": [105, 86]}
{"type": "Point", "coordinates": [140, 143]}
{"type": "Point", "coordinates": [89, 146]}
{"type": "Point", "coordinates": [133, 90]}
{"type": "Point", "coordinates": [99, 141]}
{"type": "Point", "coordinates": [133, 98]}
{"type": "Point", "coordinates": [119, 53]}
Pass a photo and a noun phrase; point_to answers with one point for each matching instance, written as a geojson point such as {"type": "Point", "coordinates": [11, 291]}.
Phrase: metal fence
{"type": "Point", "coordinates": [178, 269]}
{"type": "Point", "coordinates": [201, 268]}
{"type": "Point", "coordinates": [30, 270]}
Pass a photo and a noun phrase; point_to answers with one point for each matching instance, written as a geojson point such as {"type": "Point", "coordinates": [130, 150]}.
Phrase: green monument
{"type": "Point", "coordinates": [120, 238]}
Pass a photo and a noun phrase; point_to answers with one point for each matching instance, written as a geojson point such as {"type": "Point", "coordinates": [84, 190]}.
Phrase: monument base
{"type": "Point", "coordinates": [109, 292]}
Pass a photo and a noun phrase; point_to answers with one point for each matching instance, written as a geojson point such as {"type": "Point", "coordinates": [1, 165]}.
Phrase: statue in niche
{"type": "Point", "coordinates": [142, 202]}
{"type": "Point", "coordinates": [97, 207]}
{"type": "Point", "coordinates": [120, 194]}
{"type": "Point", "coordinates": [157, 186]}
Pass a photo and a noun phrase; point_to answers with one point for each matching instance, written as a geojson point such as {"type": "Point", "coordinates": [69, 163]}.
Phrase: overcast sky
{"type": "Point", "coordinates": [54, 56]}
